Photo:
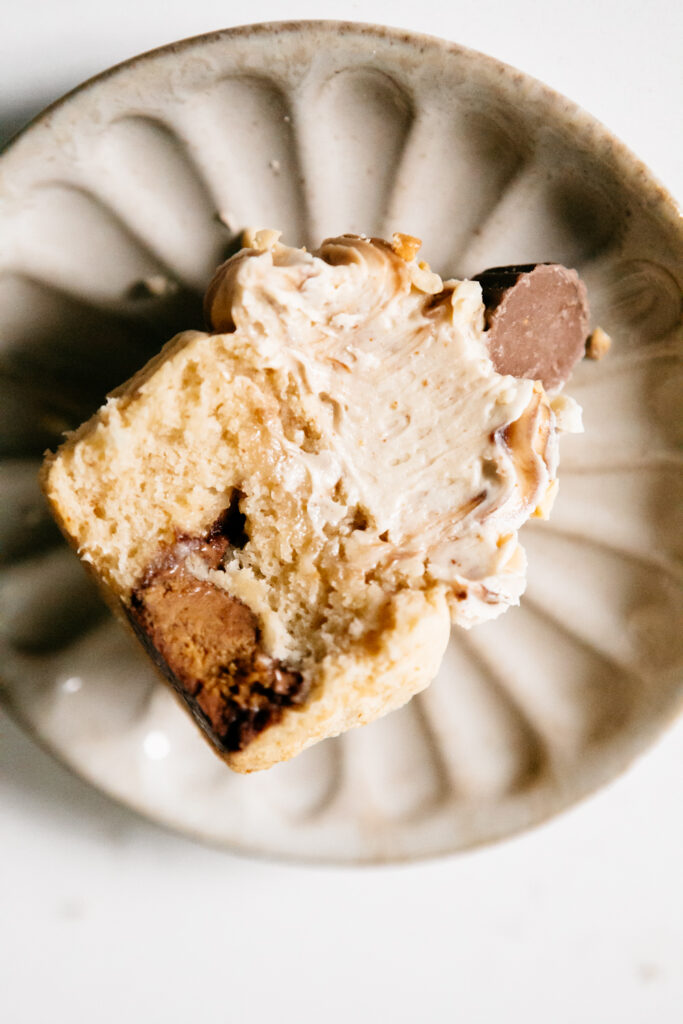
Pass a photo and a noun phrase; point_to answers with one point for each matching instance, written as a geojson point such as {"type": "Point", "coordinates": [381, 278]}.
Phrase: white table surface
{"type": "Point", "coordinates": [107, 918]}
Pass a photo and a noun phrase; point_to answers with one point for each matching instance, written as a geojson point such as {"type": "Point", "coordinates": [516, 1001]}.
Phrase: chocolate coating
{"type": "Point", "coordinates": [537, 320]}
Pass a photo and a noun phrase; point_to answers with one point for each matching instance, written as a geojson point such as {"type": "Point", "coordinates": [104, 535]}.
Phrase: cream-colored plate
{"type": "Point", "coordinates": [116, 205]}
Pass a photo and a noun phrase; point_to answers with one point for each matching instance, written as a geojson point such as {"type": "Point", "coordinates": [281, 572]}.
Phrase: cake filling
{"type": "Point", "coordinates": [208, 643]}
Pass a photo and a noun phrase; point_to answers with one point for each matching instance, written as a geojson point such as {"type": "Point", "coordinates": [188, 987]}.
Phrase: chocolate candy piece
{"type": "Point", "coordinates": [207, 644]}
{"type": "Point", "coordinates": [537, 320]}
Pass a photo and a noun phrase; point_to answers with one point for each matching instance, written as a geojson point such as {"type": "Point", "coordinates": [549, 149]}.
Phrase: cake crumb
{"type": "Point", "coordinates": [405, 246]}
{"type": "Point", "coordinates": [598, 344]}
{"type": "Point", "coordinates": [155, 286]}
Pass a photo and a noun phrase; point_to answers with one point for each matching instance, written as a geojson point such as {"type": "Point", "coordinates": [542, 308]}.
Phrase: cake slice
{"type": "Point", "coordinates": [292, 509]}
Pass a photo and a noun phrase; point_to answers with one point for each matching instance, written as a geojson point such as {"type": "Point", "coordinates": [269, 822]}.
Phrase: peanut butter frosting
{"type": "Point", "coordinates": [446, 457]}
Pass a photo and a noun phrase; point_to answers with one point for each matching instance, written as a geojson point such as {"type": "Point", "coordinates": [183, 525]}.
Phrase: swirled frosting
{"type": "Point", "coordinates": [441, 457]}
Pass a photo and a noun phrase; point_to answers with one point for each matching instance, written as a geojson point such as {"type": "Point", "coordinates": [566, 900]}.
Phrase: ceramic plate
{"type": "Point", "coordinates": [116, 205]}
